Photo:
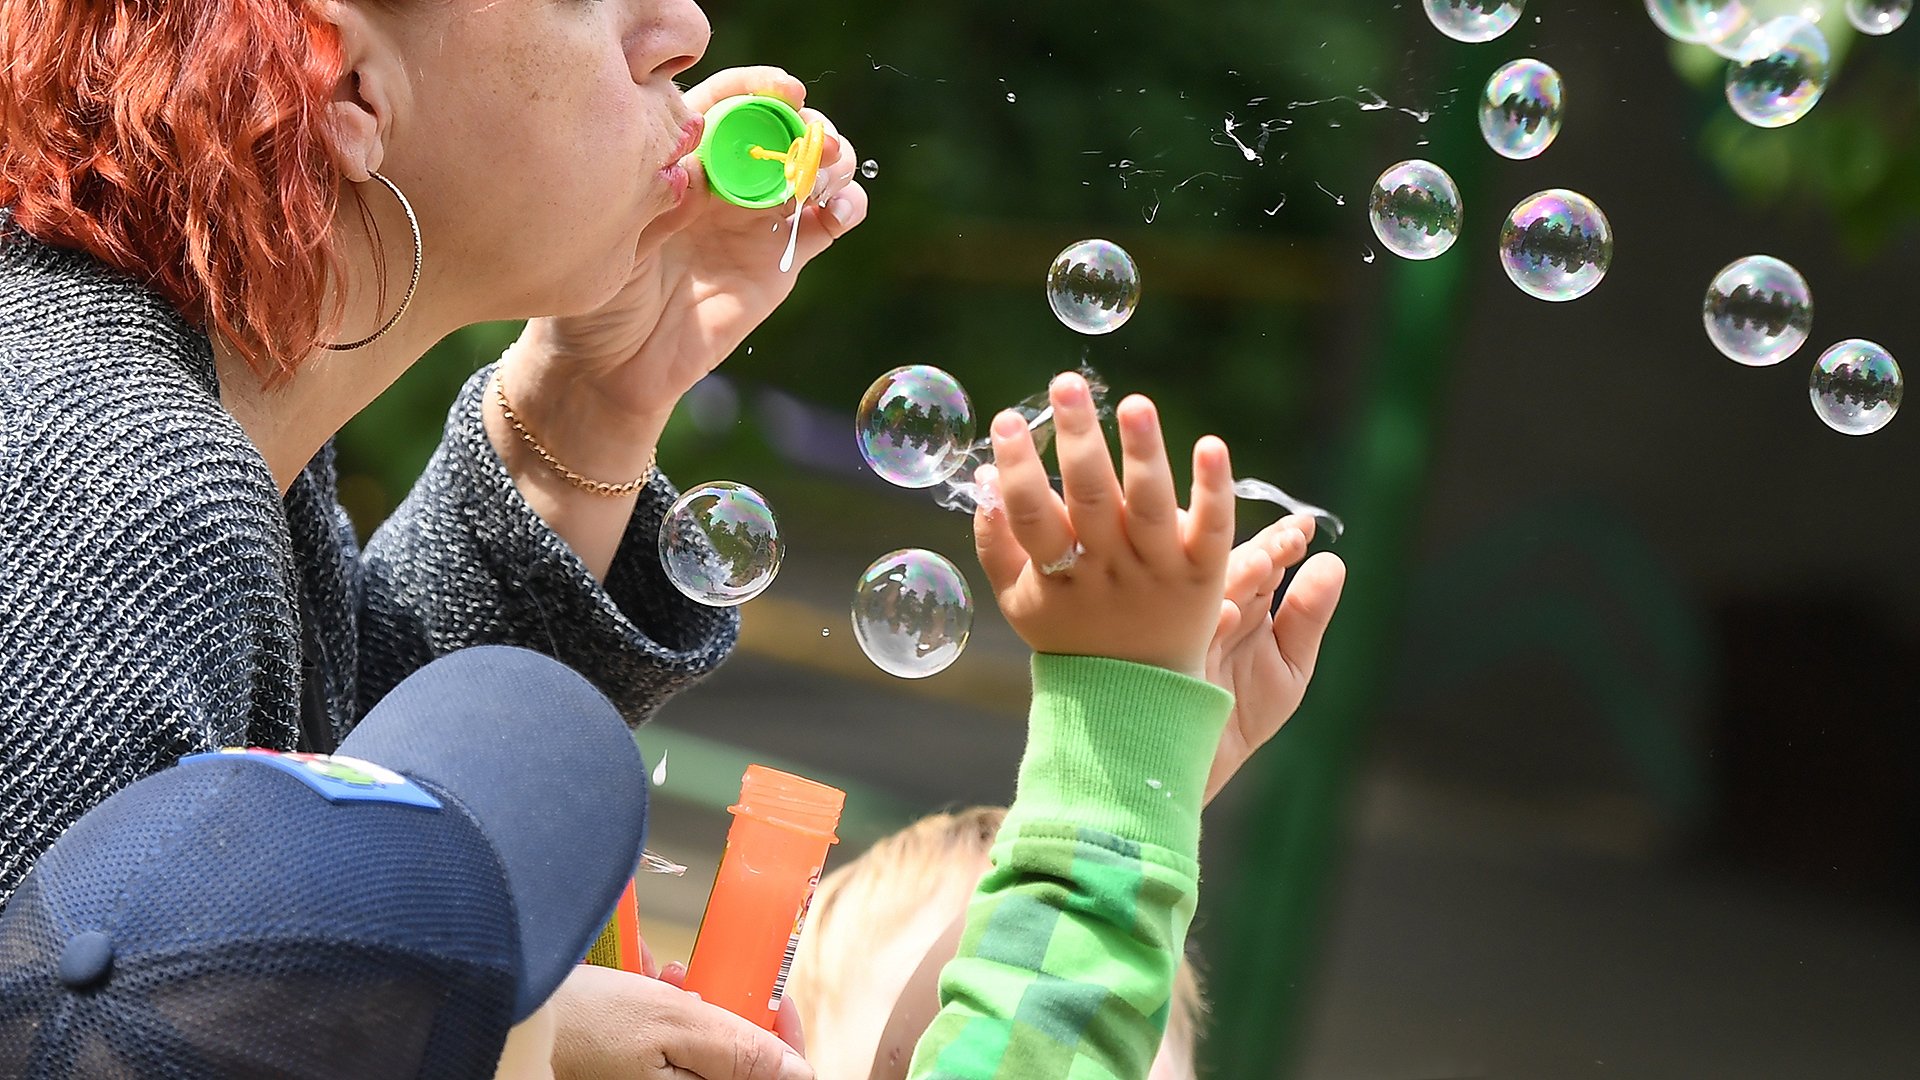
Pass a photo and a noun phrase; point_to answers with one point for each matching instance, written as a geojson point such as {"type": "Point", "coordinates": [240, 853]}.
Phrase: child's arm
{"type": "Point", "coordinates": [1066, 966]}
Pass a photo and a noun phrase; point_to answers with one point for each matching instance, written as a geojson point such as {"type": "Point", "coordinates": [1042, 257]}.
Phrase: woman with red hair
{"type": "Point", "coordinates": [225, 227]}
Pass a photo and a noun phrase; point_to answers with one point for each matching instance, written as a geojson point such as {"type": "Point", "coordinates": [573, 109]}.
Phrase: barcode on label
{"type": "Point", "coordinates": [786, 968]}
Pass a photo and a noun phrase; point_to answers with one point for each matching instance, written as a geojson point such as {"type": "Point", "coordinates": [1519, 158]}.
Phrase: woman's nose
{"type": "Point", "coordinates": [678, 41]}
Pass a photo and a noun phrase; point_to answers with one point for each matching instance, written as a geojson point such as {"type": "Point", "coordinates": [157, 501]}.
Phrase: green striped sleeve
{"type": "Point", "coordinates": [1067, 963]}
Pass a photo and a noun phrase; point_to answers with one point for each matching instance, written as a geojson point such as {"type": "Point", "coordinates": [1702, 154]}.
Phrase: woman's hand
{"type": "Point", "coordinates": [1133, 576]}
{"type": "Point", "coordinates": [613, 1024]}
{"type": "Point", "coordinates": [704, 275]}
{"type": "Point", "coordinates": [1265, 658]}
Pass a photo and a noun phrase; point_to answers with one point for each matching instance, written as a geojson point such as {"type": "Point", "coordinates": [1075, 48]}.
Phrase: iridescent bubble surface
{"type": "Point", "coordinates": [1093, 286]}
{"type": "Point", "coordinates": [1556, 245]}
{"type": "Point", "coordinates": [1758, 311]}
{"type": "Point", "coordinates": [1521, 109]}
{"type": "Point", "coordinates": [720, 544]}
{"type": "Point", "coordinates": [1878, 17]}
{"type": "Point", "coordinates": [914, 426]}
{"type": "Point", "coordinates": [1856, 387]}
{"type": "Point", "coordinates": [1783, 72]}
{"type": "Point", "coordinates": [1415, 210]}
{"type": "Point", "coordinates": [1474, 20]}
{"type": "Point", "coordinates": [1699, 22]}
{"type": "Point", "coordinates": [912, 612]}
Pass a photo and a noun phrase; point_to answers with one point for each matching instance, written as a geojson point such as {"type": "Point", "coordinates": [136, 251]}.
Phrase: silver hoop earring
{"type": "Point", "coordinates": [405, 301]}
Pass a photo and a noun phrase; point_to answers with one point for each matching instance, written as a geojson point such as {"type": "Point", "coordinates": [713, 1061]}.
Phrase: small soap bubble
{"type": "Point", "coordinates": [1856, 387]}
{"type": "Point", "coordinates": [1556, 245]}
{"type": "Point", "coordinates": [1878, 17]}
{"type": "Point", "coordinates": [869, 169]}
{"type": "Point", "coordinates": [1415, 209]}
{"type": "Point", "coordinates": [1758, 311]}
{"type": "Point", "coordinates": [1474, 20]}
{"type": "Point", "coordinates": [720, 545]}
{"type": "Point", "coordinates": [912, 613]}
{"type": "Point", "coordinates": [1781, 75]}
{"type": "Point", "coordinates": [914, 426]}
{"type": "Point", "coordinates": [1699, 22]}
{"type": "Point", "coordinates": [1093, 287]}
{"type": "Point", "coordinates": [1520, 111]}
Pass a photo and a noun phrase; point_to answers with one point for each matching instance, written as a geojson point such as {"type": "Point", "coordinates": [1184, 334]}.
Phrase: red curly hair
{"type": "Point", "coordinates": [183, 142]}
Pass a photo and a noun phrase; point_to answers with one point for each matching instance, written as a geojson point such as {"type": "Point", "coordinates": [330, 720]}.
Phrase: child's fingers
{"type": "Point", "coordinates": [1035, 514]}
{"type": "Point", "coordinates": [1153, 508]}
{"type": "Point", "coordinates": [1093, 498]}
{"type": "Point", "coordinates": [1308, 607]}
{"type": "Point", "coordinates": [1228, 630]}
{"type": "Point", "coordinates": [1001, 556]}
{"type": "Point", "coordinates": [1251, 579]}
{"type": "Point", "coordinates": [1209, 533]}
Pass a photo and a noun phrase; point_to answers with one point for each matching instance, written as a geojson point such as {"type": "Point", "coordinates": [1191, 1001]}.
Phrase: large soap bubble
{"type": "Point", "coordinates": [912, 613]}
{"type": "Point", "coordinates": [1700, 22]}
{"type": "Point", "coordinates": [915, 425]}
{"type": "Point", "coordinates": [1556, 245]}
{"type": "Point", "coordinates": [1521, 109]}
{"type": "Point", "coordinates": [1415, 210]}
{"type": "Point", "coordinates": [1856, 387]}
{"type": "Point", "coordinates": [1758, 311]}
{"type": "Point", "coordinates": [1474, 20]}
{"type": "Point", "coordinates": [1093, 286]}
{"type": "Point", "coordinates": [720, 545]}
{"type": "Point", "coordinates": [1782, 73]}
{"type": "Point", "coordinates": [1878, 17]}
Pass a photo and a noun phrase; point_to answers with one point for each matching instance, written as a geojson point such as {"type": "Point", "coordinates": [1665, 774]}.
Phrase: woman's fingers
{"type": "Point", "coordinates": [1153, 507]}
{"type": "Point", "coordinates": [1034, 513]}
{"type": "Point", "coordinates": [1209, 522]}
{"type": "Point", "coordinates": [733, 82]}
{"type": "Point", "coordinates": [1093, 497]}
{"type": "Point", "coordinates": [1308, 607]}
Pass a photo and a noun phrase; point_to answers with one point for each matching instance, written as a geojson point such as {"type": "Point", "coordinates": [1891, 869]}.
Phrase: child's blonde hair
{"type": "Point", "coordinates": [873, 921]}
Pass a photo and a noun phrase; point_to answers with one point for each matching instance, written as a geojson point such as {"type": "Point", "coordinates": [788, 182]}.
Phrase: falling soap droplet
{"type": "Point", "coordinates": [660, 770]}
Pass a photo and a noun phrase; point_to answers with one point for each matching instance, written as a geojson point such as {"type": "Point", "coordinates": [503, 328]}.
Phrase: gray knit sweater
{"type": "Point", "coordinates": [152, 578]}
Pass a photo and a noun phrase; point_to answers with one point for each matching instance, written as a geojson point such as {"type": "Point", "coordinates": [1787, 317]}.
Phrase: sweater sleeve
{"type": "Point", "coordinates": [465, 561]}
{"type": "Point", "coordinates": [1067, 964]}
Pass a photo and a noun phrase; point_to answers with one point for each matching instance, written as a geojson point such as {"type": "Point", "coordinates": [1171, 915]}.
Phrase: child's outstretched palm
{"type": "Point", "coordinates": [1265, 658]}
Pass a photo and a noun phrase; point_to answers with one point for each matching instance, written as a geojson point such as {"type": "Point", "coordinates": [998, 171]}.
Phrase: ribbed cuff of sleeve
{"type": "Point", "coordinates": [1120, 747]}
{"type": "Point", "coordinates": [636, 634]}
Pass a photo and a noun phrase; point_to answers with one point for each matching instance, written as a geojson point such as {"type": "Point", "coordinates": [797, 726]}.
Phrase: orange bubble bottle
{"type": "Point", "coordinates": [782, 828]}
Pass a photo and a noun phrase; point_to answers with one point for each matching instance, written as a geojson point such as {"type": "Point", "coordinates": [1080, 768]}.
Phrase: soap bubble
{"type": "Point", "coordinates": [1093, 286]}
{"type": "Point", "coordinates": [1521, 109]}
{"type": "Point", "coordinates": [914, 426]}
{"type": "Point", "coordinates": [1700, 22]}
{"type": "Point", "coordinates": [1856, 387]}
{"type": "Point", "coordinates": [912, 613]}
{"type": "Point", "coordinates": [1556, 245]}
{"type": "Point", "coordinates": [720, 545]}
{"type": "Point", "coordinates": [869, 169]}
{"type": "Point", "coordinates": [1782, 73]}
{"type": "Point", "coordinates": [1415, 210]}
{"type": "Point", "coordinates": [1758, 311]}
{"type": "Point", "coordinates": [1474, 20]}
{"type": "Point", "coordinates": [1878, 17]}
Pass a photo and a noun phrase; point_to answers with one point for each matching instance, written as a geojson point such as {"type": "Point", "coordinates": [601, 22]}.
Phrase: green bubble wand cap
{"type": "Point", "coordinates": [758, 153]}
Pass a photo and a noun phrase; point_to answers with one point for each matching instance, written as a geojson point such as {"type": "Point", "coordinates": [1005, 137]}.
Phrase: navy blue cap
{"type": "Point", "coordinates": [390, 911]}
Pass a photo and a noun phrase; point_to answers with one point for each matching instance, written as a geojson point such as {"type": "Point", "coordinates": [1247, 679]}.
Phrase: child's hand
{"type": "Point", "coordinates": [1266, 659]}
{"type": "Point", "coordinates": [1112, 569]}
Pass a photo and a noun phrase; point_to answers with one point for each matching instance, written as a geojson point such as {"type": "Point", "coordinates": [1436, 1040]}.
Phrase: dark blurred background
{"type": "Point", "coordinates": [1611, 766]}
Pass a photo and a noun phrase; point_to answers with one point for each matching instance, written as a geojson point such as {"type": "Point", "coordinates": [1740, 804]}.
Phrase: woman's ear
{"type": "Point", "coordinates": [361, 110]}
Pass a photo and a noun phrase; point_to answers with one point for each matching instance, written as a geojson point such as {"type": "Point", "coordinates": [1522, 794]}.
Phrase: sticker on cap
{"type": "Point", "coordinates": [337, 778]}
